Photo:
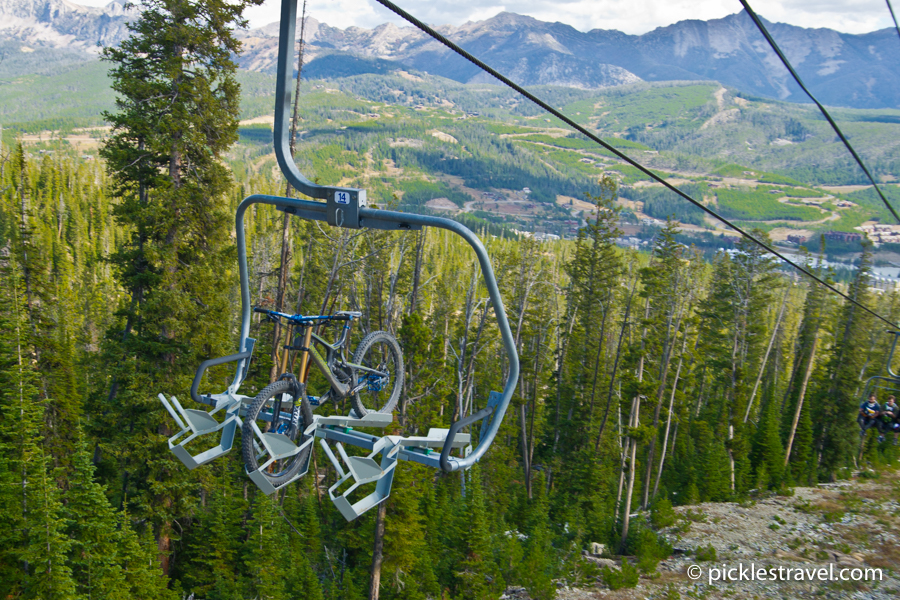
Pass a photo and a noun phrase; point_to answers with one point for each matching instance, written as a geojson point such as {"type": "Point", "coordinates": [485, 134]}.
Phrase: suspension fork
{"type": "Point", "coordinates": [276, 405]}
{"type": "Point", "coordinates": [304, 354]}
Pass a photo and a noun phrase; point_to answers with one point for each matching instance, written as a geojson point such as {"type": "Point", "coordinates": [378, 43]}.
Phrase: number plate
{"type": "Point", "coordinates": [342, 197]}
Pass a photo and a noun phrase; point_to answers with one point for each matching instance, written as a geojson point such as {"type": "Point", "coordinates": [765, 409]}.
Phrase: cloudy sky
{"type": "Point", "coordinates": [630, 16]}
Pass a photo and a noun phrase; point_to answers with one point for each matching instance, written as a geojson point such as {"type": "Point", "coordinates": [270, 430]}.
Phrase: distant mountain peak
{"type": "Point", "coordinates": [64, 24]}
{"type": "Point", "coordinates": [841, 69]}
{"type": "Point", "coordinates": [507, 19]}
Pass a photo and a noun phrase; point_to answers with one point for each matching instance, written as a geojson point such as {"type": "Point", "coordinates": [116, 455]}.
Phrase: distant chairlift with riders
{"type": "Point", "coordinates": [885, 418]}
{"type": "Point", "coordinates": [278, 426]}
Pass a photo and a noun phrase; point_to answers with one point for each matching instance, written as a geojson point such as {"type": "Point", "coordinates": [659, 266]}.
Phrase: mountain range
{"type": "Point", "coordinates": [63, 25]}
{"type": "Point", "coordinates": [841, 69]}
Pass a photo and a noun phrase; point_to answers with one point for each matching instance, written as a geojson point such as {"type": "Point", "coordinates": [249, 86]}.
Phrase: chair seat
{"type": "Point", "coordinates": [279, 445]}
{"type": "Point", "coordinates": [364, 468]}
{"type": "Point", "coordinates": [199, 420]}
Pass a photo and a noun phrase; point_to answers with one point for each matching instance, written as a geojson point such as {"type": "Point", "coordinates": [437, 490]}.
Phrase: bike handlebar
{"type": "Point", "coordinates": [301, 318]}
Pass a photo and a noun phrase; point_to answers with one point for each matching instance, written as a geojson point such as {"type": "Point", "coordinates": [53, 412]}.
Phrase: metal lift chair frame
{"type": "Point", "coordinates": [346, 207]}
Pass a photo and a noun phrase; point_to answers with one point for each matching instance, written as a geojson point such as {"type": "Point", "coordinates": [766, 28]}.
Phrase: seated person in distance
{"type": "Point", "coordinates": [869, 411]}
{"type": "Point", "coordinates": [890, 416]}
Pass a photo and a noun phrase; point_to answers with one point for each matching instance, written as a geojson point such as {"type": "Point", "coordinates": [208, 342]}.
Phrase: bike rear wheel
{"type": "Point", "coordinates": [292, 418]}
{"type": "Point", "coordinates": [379, 351]}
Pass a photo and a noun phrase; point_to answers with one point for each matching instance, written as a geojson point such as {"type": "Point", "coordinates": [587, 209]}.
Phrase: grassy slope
{"type": "Point", "coordinates": [777, 143]}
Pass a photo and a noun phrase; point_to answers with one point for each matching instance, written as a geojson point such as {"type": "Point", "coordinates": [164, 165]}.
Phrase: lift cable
{"type": "Point", "coordinates": [893, 16]}
{"type": "Point", "coordinates": [509, 83]}
{"type": "Point", "coordinates": [784, 60]}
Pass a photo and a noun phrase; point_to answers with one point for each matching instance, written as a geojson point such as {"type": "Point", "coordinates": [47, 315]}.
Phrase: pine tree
{"type": "Point", "coordinates": [178, 107]}
{"type": "Point", "coordinates": [712, 463]}
{"type": "Point", "coordinates": [539, 565]}
{"type": "Point", "coordinates": [594, 268]}
{"type": "Point", "coordinates": [768, 455]}
{"type": "Point", "coordinates": [837, 401]}
{"type": "Point", "coordinates": [305, 544]}
{"type": "Point", "coordinates": [35, 544]}
{"type": "Point", "coordinates": [140, 563]}
{"type": "Point", "coordinates": [215, 544]}
{"type": "Point", "coordinates": [94, 557]}
{"type": "Point", "coordinates": [265, 563]}
{"type": "Point", "coordinates": [479, 576]}
{"type": "Point", "coordinates": [407, 570]}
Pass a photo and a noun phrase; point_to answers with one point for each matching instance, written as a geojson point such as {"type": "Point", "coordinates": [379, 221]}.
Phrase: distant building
{"type": "Point", "coordinates": [843, 236]}
{"type": "Point", "coordinates": [797, 239]}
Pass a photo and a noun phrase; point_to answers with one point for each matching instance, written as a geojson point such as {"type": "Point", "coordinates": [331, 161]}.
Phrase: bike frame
{"type": "Point", "coordinates": [309, 353]}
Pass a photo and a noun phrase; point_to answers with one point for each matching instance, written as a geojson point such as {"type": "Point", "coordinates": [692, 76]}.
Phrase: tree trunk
{"type": "Point", "coordinates": [731, 454]}
{"type": "Point", "coordinates": [662, 457]}
{"type": "Point", "coordinates": [378, 551]}
{"type": "Point", "coordinates": [559, 377]}
{"type": "Point", "coordinates": [285, 262]}
{"type": "Point", "coordinates": [809, 370]}
{"type": "Point", "coordinates": [612, 377]}
{"type": "Point", "coordinates": [636, 407]}
{"type": "Point", "coordinates": [526, 463]}
{"type": "Point", "coordinates": [631, 472]}
{"type": "Point", "coordinates": [623, 453]}
{"type": "Point", "coordinates": [671, 337]}
{"type": "Point", "coordinates": [598, 356]}
{"type": "Point", "coordinates": [765, 359]}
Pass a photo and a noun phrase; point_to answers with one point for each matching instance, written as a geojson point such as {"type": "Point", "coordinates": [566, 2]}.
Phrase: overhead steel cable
{"type": "Point", "coordinates": [427, 29]}
{"type": "Point", "coordinates": [787, 64]}
{"type": "Point", "coordinates": [893, 16]}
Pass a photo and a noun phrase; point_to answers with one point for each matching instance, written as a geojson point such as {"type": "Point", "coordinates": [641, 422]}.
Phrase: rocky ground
{"type": "Point", "coordinates": [850, 525]}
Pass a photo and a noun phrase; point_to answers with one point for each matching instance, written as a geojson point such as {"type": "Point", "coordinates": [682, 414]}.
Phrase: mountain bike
{"type": "Point", "coordinates": [277, 420]}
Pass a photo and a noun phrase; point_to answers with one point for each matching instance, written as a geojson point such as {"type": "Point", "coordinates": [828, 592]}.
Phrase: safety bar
{"type": "Point", "coordinates": [393, 220]}
{"type": "Point", "coordinates": [247, 344]}
{"type": "Point", "coordinates": [890, 359]}
{"type": "Point", "coordinates": [454, 429]}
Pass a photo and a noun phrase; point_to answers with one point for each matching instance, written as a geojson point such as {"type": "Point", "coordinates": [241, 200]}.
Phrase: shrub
{"type": "Point", "coordinates": [648, 546]}
{"type": "Point", "coordinates": [661, 514]}
{"type": "Point", "coordinates": [705, 553]}
{"type": "Point", "coordinates": [616, 579]}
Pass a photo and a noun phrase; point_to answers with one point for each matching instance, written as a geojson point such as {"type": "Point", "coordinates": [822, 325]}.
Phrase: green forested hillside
{"type": "Point", "coordinates": [388, 130]}
{"type": "Point", "coordinates": [589, 349]}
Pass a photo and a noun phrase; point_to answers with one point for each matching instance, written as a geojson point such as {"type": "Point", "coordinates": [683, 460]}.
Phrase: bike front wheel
{"type": "Point", "coordinates": [379, 385]}
{"type": "Point", "coordinates": [276, 414]}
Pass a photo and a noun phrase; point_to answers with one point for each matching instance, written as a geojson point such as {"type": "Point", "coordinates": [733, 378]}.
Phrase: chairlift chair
{"type": "Point", "coordinates": [347, 208]}
{"type": "Point", "coordinates": [881, 385]}
{"type": "Point", "coordinates": [889, 383]}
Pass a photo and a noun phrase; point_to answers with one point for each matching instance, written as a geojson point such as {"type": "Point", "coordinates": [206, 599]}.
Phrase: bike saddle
{"type": "Point", "coordinates": [354, 314]}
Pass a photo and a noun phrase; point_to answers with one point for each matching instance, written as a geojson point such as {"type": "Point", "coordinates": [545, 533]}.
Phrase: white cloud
{"type": "Point", "coordinates": [630, 16]}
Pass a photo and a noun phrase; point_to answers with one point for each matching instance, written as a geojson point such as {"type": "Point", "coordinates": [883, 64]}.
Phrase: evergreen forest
{"type": "Point", "coordinates": [650, 378]}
